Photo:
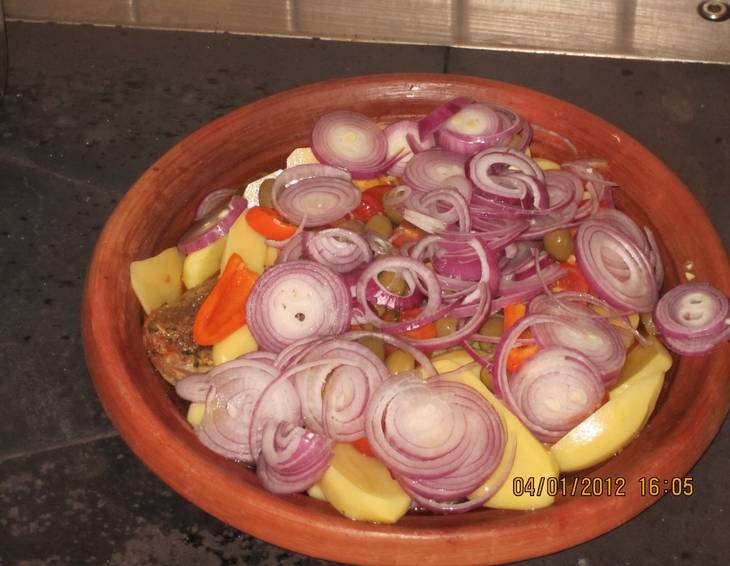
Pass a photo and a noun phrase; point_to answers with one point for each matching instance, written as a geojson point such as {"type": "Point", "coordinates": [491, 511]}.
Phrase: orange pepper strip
{"type": "Point", "coordinates": [512, 314]}
{"type": "Point", "coordinates": [224, 310]}
{"type": "Point", "coordinates": [519, 355]}
{"type": "Point", "coordinates": [422, 332]}
{"type": "Point", "coordinates": [573, 280]}
{"type": "Point", "coordinates": [269, 223]}
{"type": "Point", "coordinates": [406, 232]}
{"type": "Point", "coordinates": [363, 446]}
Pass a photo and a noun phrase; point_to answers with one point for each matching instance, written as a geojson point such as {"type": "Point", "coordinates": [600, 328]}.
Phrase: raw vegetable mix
{"type": "Point", "coordinates": [416, 315]}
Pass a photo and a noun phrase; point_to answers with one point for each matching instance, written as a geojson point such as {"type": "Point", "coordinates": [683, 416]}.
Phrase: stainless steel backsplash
{"type": "Point", "coordinates": [648, 29]}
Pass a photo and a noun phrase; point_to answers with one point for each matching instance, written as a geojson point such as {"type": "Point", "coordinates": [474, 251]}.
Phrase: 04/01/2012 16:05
{"type": "Point", "coordinates": [597, 486]}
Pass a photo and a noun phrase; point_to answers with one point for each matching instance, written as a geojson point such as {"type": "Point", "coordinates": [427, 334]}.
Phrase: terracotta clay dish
{"type": "Point", "coordinates": [257, 138]}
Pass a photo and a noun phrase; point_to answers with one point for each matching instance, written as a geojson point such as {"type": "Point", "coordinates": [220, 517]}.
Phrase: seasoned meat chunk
{"type": "Point", "coordinates": [168, 336]}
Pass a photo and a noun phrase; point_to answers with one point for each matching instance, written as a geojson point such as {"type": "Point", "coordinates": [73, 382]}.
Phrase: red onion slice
{"type": "Point", "coordinates": [541, 131]}
{"type": "Point", "coordinates": [447, 205]}
{"type": "Point", "coordinates": [553, 390]}
{"type": "Point", "coordinates": [655, 258]}
{"type": "Point", "coordinates": [693, 318]}
{"type": "Point", "coordinates": [425, 222]}
{"type": "Point", "coordinates": [295, 300]}
{"type": "Point", "coordinates": [411, 269]}
{"type": "Point", "coordinates": [615, 268]}
{"type": "Point", "coordinates": [423, 361]}
{"type": "Point", "coordinates": [213, 200]}
{"type": "Point", "coordinates": [292, 250]}
{"type": "Point", "coordinates": [521, 291]}
{"type": "Point", "coordinates": [463, 263]}
{"type": "Point", "coordinates": [468, 327]}
{"type": "Point", "coordinates": [334, 395]}
{"type": "Point", "coordinates": [376, 294]}
{"type": "Point", "coordinates": [317, 201]}
{"type": "Point", "coordinates": [234, 392]}
{"type": "Point", "coordinates": [292, 459]}
{"type": "Point", "coordinates": [339, 249]}
{"type": "Point", "coordinates": [194, 388]}
{"type": "Point", "coordinates": [696, 346]}
{"type": "Point", "coordinates": [213, 226]}
{"type": "Point", "coordinates": [496, 232]}
{"type": "Point", "coordinates": [400, 137]}
{"type": "Point", "coordinates": [298, 173]}
{"type": "Point", "coordinates": [429, 124]}
{"type": "Point", "coordinates": [469, 250]}
{"type": "Point", "coordinates": [484, 123]}
{"type": "Point", "coordinates": [556, 389]}
{"type": "Point", "coordinates": [540, 260]}
{"type": "Point", "coordinates": [622, 223]}
{"type": "Point", "coordinates": [526, 187]}
{"type": "Point", "coordinates": [352, 141]}
{"type": "Point", "coordinates": [434, 169]}
{"type": "Point", "coordinates": [516, 256]}
{"type": "Point", "coordinates": [440, 439]}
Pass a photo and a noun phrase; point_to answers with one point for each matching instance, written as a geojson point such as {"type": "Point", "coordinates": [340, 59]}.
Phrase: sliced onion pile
{"type": "Point", "coordinates": [693, 318]}
{"type": "Point", "coordinates": [291, 457]}
{"type": "Point", "coordinates": [441, 440]}
{"type": "Point", "coordinates": [336, 395]}
{"type": "Point", "coordinates": [233, 391]}
{"type": "Point", "coordinates": [465, 178]}
{"type": "Point", "coordinates": [552, 391]}
{"type": "Point", "coordinates": [594, 337]}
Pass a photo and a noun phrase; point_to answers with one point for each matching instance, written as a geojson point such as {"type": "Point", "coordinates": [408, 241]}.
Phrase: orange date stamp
{"type": "Point", "coordinates": [599, 487]}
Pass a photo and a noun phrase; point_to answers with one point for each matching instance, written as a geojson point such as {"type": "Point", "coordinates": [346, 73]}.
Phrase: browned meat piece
{"type": "Point", "coordinates": [168, 336]}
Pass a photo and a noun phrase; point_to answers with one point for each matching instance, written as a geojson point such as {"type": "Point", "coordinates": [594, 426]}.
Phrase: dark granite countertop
{"type": "Point", "coordinates": [88, 110]}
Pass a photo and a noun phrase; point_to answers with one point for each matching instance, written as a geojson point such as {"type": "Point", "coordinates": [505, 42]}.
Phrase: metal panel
{"type": "Point", "coordinates": [650, 29]}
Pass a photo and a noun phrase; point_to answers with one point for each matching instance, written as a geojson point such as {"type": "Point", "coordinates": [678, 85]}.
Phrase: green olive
{"type": "Point", "coordinates": [486, 378]}
{"type": "Point", "coordinates": [393, 282]}
{"type": "Point", "coordinates": [395, 215]}
{"type": "Point", "coordinates": [375, 345]}
{"type": "Point", "coordinates": [352, 225]}
{"type": "Point", "coordinates": [446, 326]}
{"type": "Point", "coordinates": [559, 244]}
{"type": "Point", "coordinates": [494, 327]}
{"type": "Point", "coordinates": [381, 225]}
{"type": "Point", "coordinates": [400, 362]}
{"type": "Point", "coordinates": [265, 191]}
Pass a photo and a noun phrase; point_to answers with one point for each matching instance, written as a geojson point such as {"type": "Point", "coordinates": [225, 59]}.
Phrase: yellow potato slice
{"type": "Point", "coordinates": [611, 427]}
{"type": "Point", "coordinates": [246, 242]}
{"type": "Point", "coordinates": [234, 345]}
{"type": "Point", "coordinates": [361, 488]}
{"type": "Point", "coordinates": [203, 264]}
{"type": "Point", "coordinates": [157, 280]}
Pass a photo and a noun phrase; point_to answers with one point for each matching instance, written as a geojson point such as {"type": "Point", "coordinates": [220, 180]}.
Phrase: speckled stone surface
{"type": "Point", "coordinates": [87, 111]}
